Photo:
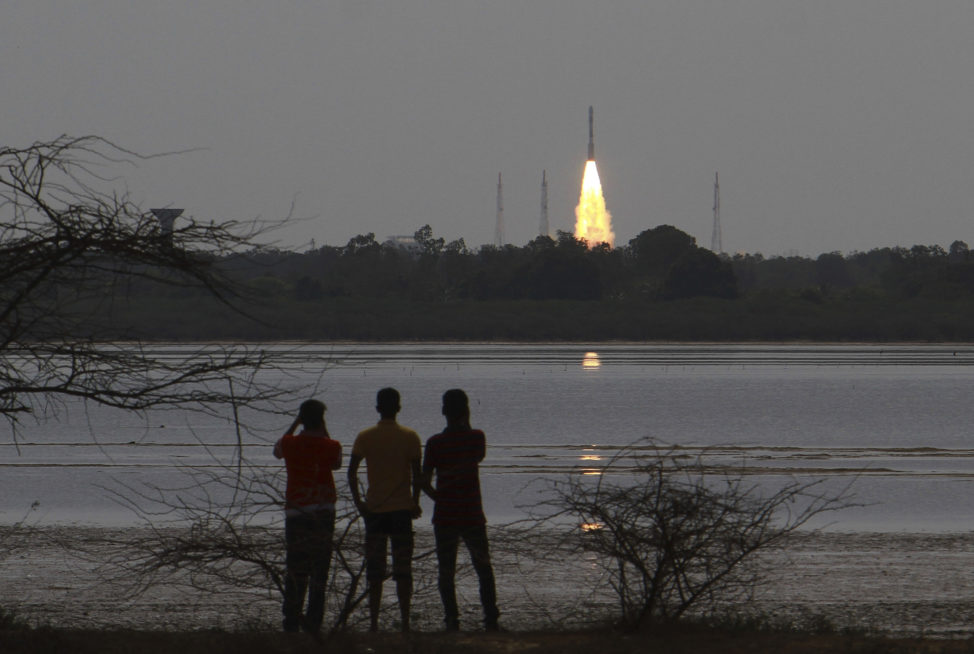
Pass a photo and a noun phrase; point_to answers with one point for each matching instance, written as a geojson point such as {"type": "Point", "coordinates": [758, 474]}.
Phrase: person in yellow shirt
{"type": "Point", "coordinates": [392, 455]}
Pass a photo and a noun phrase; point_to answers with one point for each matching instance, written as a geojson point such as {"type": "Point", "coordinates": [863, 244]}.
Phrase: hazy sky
{"type": "Point", "coordinates": [834, 124]}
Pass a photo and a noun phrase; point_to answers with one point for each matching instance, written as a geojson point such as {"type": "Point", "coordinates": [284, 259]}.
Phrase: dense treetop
{"type": "Point", "coordinates": [661, 285]}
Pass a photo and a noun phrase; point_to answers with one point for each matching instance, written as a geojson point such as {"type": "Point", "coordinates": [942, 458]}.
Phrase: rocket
{"type": "Point", "coordinates": [591, 134]}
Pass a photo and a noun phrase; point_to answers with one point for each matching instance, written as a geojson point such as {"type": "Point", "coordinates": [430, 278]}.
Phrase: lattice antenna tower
{"type": "Point", "coordinates": [543, 226]}
{"type": "Point", "coordinates": [499, 224]}
{"type": "Point", "coordinates": [716, 240]}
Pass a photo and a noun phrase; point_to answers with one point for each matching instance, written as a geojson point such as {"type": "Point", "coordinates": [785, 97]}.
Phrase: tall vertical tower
{"type": "Point", "coordinates": [499, 224]}
{"type": "Point", "coordinates": [716, 240]}
{"type": "Point", "coordinates": [166, 218]}
{"type": "Point", "coordinates": [543, 228]}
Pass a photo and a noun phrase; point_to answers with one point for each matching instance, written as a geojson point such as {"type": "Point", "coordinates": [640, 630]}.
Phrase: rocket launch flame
{"type": "Point", "coordinates": [593, 223]}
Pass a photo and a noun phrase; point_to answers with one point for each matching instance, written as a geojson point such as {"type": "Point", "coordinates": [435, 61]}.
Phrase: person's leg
{"type": "Point", "coordinates": [401, 536]}
{"type": "Point", "coordinates": [375, 566]}
{"type": "Point", "coordinates": [404, 593]}
{"type": "Point", "coordinates": [476, 541]}
{"type": "Point", "coordinates": [295, 585]}
{"type": "Point", "coordinates": [297, 567]}
{"type": "Point", "coordinates": [375, 603]}
{"type": "Point", "coordinates": [324, 529]}
{"type": "Point", "coordinates": [447, 542]}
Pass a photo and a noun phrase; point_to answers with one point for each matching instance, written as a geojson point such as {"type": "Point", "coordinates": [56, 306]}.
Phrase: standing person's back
{"type": "Point", "coordinates": [454, 457]}
{"type": "Point", "coordinates": [455, 454]}
{"type": "Point", "coordinates": [309, 514]}
{"type": "Point", "coordinates": [392, 458]}
{"type": "Point", "coordinates": [388, 449]}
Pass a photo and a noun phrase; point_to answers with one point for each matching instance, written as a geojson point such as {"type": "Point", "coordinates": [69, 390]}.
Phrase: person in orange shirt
{"type": "Point", "coordinates": [309, 514]}
{"type": "Point", "coordinates": [392, 455]}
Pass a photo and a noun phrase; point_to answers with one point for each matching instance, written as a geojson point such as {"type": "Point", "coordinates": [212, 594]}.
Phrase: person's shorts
{"type": "Point", "coordinates": [309, 541]}
{"type": "Point", "coordinates": [395, 527]}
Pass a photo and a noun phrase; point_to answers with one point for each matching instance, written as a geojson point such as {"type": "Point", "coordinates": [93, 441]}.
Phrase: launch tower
{"type": "Point", "coordinates": [543, 228]}
{"type": "Point", "coordinates": [499, 224]}
{"type": "Point", "coordinates": [716, 240]}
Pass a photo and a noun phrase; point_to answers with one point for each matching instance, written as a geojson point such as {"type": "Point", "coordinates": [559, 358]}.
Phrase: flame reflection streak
{"type": "Point", "coordinates": [591, 360]}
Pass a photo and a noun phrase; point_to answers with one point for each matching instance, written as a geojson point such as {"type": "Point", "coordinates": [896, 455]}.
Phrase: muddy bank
{"type": "Point", "coordinates": [897, 584]}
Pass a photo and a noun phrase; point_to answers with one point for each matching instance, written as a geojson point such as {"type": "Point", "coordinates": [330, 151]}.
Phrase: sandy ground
{"type": "Point", "coordinates": [896, 584]}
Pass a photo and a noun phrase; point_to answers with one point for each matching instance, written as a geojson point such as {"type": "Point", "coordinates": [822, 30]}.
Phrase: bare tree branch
{"type": "Point", "coordinates": [223, 530]}
{"type": "Point", "coordinates": [71, 249]}
{"type": "Point", "coordinates": [671, 533]}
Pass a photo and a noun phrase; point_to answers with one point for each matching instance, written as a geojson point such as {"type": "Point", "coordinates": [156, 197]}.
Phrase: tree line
{"type": "Point", "coordinates": [659, 263]}
{"type": "Point", "coordinates": [661, 285]}
{"type": "Point", "coordinates": [662, 263]}
{"type": "Point", "coordinates": [82, 265]}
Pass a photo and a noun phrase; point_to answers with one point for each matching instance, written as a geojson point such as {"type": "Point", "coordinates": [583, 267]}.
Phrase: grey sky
{"type": "Point", "coordinates": [834, 124]}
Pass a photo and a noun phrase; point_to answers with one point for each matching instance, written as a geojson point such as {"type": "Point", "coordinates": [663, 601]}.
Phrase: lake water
{"type": "Point", "coordinates": [895, 420]}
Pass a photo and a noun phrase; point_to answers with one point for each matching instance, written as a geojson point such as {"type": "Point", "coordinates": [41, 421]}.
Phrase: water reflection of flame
{"type": "Point", "coordinates": [591, 526]}
{"type": "Point", "coordinates": [590, 457]}
{"type": "Point", "coordinates": [591, 360]}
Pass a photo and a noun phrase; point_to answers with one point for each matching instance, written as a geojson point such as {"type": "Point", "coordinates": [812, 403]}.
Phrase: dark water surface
{"type": "Point", "coordinates": [895, 420]}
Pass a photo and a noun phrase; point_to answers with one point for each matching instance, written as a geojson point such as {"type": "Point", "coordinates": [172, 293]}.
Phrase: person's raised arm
{"type": "Point", "coordinates": [278, 446]}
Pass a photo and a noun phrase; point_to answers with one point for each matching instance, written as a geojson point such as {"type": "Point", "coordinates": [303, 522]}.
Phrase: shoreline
{"type": "Point", "coordinates": [894, 584]}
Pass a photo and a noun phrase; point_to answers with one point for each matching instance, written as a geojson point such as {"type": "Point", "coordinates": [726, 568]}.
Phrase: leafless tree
{"type": "Point", "coordinates": [71, 246]}
{"type": "Point", "coordinates": [221, 532]}
{"type": "Point", "coordinates": [673, 534]}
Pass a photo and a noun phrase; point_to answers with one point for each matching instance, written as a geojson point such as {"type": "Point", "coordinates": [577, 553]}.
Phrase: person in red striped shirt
{"type": "Point", "coordinates": [309, 514]}
{"type": "Point", "coordinates": [453, 456]}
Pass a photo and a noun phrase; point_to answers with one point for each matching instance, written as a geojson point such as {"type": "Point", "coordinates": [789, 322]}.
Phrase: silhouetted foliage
{"type": "Point", "coordinates": [832, 271]}
{"type": "Point", "coordinates": [75, 255]}
{"type": "Point", "coordinates": [223, 531]}
{"type": "Point", "coordinates": [700, 272]}
{"type": "Point", "coordinates": [959, 252]}
{"type": "Point", "coordinates": [672, 534]}
{"type": "Point", "coordinates": [656, 250]}
{"type": "Point", "coordinates": [659, 286]}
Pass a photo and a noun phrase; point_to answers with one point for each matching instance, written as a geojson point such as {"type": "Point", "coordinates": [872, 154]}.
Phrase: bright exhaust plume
{"type": "Point", "coordinates": [593, 222]}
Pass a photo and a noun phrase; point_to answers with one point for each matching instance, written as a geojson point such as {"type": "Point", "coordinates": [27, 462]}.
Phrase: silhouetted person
{"type": "Point", "coordinates": [392, 458]}
{"type": "Point", "coordinates": [309, 514]}
{"type": "Point", "coordinates": [458, 514]}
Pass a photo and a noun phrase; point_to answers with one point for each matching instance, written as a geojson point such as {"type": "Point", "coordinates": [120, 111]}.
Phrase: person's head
{"type": "Point", "coordinates": [312, 414]}
{"type": "Point", "coordinates": [456, 406]}
{"type": "Point", "coordinates": [387, 402]}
